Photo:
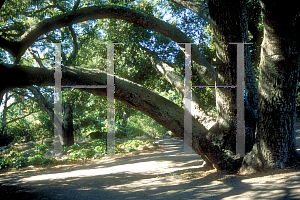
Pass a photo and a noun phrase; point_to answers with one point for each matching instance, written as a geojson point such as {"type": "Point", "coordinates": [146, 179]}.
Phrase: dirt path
{"type": "Point", "coordinates": [163, 174]}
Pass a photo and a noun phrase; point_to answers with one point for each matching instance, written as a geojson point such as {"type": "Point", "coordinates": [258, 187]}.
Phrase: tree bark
{"type": "Point", "coordinates": [275, 138]}
{"type": "Point", "coordinates": [229, 24]}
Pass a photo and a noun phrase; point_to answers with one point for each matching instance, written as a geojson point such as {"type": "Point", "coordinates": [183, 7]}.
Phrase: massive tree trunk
{"type": "Point", "coordinates": [229, 23]}
{"type": "Point", "coordinates": [275, 140]}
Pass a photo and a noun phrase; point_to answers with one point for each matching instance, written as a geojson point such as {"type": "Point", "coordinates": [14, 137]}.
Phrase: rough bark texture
{"type": "Point", "coordinates": [230, 25]}
{"type": "Point", "coordinates": [275, 140]}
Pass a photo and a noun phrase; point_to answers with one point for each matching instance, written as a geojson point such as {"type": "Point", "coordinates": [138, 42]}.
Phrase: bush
{"type": "Point", "coordinates": [13, 154]}
{"type": "Point", "coordinates": [74, 147]}
{"type": "Point", "coordinates": [130, 145]}
{"type": "Point", "coordinates": [94, 149]}
{"type": "Point", "coordinates": [20, 161]}
{"type": "Point", "coordinates": [90, 153]}
{"type": "Point", "coordinates": [5, 163]}
{"type": "Point", "coordinates": [40, 160]}
{"type": "Point", "coordinates": [41, 148]}
{"type": "Point", "coordinates": [120, 134]}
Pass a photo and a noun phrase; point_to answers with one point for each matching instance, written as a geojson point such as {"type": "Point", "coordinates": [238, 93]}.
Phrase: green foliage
{"type": "Point", "coordinates": [45, 128]}
{"type": "Point", "coordinates": [5, 162]}
{"type": "Point", "coordinates": [41, 148]}
{"type": "Point", "coordinates": [16, 160]}
{"type": "Point", "coordinates": [39, 160]}
{"type": "Point", "coordinates": [213, 112]}
{"type": "Point", "coordinates": [20, 161]}
{"type": "Point", "coordinates": [91, 150]}
{"type": "Point", "coordinates": [139, 124]}
{"type": "Point", "coordinates": [94, 149]}
{"type": "Point", "coordinates": [74, 147]}
{"type": "Point", "coordinates": [13, 154]}
{"type": "Point", "coordinates": [131, 145]}
{"type": "Point", "coordinates": [78, 155]}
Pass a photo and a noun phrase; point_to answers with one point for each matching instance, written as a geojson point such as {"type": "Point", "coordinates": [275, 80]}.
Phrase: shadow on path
{"type": "Point", "coordinates": [164, 174]}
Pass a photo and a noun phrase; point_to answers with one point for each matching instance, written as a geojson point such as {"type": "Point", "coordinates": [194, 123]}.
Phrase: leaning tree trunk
{"type": "Point", "coordinates": [67, 135]}
{"type": "Point", "coordinates": [275, 138]}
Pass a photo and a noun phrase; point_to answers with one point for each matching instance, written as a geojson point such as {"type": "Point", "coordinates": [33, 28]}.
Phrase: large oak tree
{"type": "Point", "coordinates": [269, 106]}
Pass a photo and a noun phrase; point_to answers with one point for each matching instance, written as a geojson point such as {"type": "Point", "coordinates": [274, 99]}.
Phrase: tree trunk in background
{"type": "Point", "coordinates": [275, 138]}
{"type": "Point", "coordinates": [3, 138]}
{"type": "Point", "coordinates": [124, 122]}
{"type": "Point", "coordinates": [68, 135]}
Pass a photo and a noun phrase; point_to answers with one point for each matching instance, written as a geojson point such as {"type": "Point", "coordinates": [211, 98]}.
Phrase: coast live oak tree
{"type": "Point", "coordinates": [270, 105]}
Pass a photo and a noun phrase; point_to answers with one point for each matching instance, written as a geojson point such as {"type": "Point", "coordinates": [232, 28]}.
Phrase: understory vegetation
{"type": "Point", "coordinates": [78, 152]}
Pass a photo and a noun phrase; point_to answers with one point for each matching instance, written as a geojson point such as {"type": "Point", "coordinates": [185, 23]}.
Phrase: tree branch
{"type": "Point", "coordinates": [16, 119]}
{"type": "Point", "coordinates": [163, 111]}
{"type": "Point", "coordinates": [40, 99]}
{"type": "Point", "coordinates": [75, 49]}
{"type": "Point", "coordinates": [198, 7]}
{"type": "Point", "coordinates": [14, 103]}
{"type": "Point", "coordinates": [117, 12]}
{"type": "Point", "coordinates": [177, 83]}
{"type": "Point", "coordinates": [58, 6]}
{"type": "Point", "coordinates": [76, 5]}
{"type": "Point", "coordinates": [37, 59]}
{"type": "Point", "coordinates": [10, 46]}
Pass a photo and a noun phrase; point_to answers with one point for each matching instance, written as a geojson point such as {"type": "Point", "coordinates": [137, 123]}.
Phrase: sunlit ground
{"type": "Point", "coordinates": [166, 174]}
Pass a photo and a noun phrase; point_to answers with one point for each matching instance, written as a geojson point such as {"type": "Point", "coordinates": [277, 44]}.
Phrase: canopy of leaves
{"type": "Point", "coordinates": [83, 44]}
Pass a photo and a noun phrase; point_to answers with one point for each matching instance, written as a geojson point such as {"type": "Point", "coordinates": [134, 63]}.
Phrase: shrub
{"type": "Point", "coordinates": [90, 153]}
{"type": "Point", "coordinates": [5, 163]}
{"type": "Point", "coordinates": [20, 161]}
{"type": "Point", "coordinates": [130, 145]}
{"type": "Point", "coordinates": [40, 160]}
{"type": "Point", "coordinates": [99, 151]}
{"type": "Point", "coordinates": [41, 148]}
{"type": "Point", "coordinates": [74, 147]}
{"type": "Point", "coordinates": [13, 154]}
